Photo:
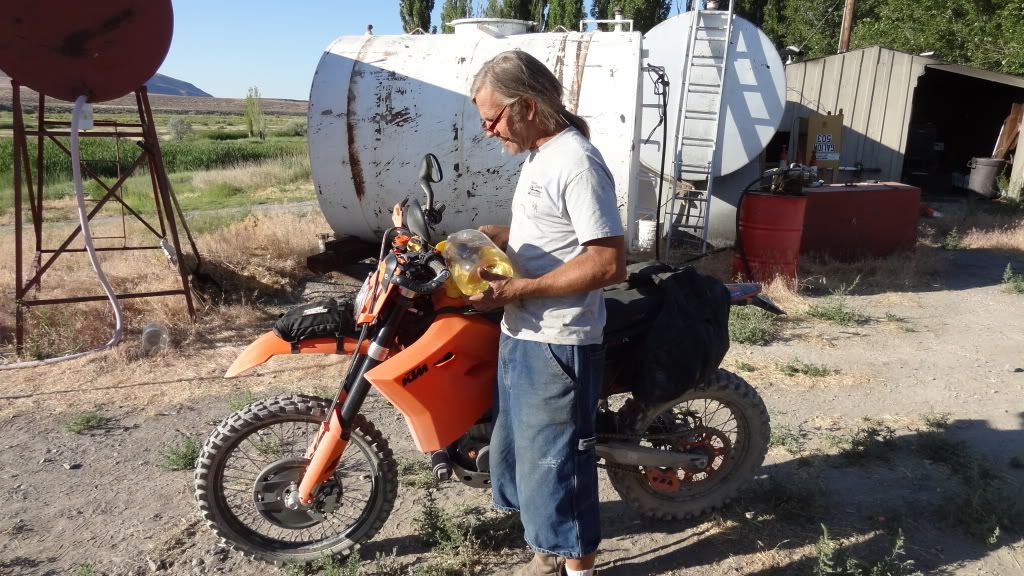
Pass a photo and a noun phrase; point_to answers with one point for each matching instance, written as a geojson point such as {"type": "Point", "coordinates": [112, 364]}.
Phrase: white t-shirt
{"type": "Point", "coordinates": [565, 197]}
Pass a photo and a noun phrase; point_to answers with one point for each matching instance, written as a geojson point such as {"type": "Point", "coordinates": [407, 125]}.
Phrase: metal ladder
{"type": "Point", "coordinates": [696, 138]}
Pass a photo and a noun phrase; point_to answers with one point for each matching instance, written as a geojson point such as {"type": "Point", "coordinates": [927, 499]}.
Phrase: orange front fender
{"type": "Point", "coordinates": [269, 345]}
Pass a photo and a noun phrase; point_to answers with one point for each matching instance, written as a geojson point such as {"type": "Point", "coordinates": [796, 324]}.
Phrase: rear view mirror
{"type": "Point", "coordinates": [430, 170]}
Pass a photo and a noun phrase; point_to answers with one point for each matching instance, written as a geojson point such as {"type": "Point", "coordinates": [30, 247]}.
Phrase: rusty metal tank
{"type": "Point", "coordinates": [379, 103]}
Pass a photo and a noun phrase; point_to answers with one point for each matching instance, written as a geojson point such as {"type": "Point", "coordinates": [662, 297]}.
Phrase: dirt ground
{"type": "Point", "coordinates": [954, 346]}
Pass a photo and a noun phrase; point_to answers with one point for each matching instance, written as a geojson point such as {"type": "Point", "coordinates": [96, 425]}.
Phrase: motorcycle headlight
{"type": "Point", "coordinates": [361, 295]}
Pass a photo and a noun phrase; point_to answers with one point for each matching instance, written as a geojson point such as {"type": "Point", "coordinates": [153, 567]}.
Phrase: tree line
{"type": "Point", "coordinates": [987, 34]}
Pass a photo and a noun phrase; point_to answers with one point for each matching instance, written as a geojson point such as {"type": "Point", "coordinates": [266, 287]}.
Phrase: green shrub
{"type": "Point", "coordinates": [836, 308]}
{"type": "Point", "coordinates": [795, 366]}
{"type": "Point", "coordinates": [84, 422]}
{"type": "Point", "coordinates": [180, 455]}
{"type": "Point", "coordinates": [225, 135]}
{"type": "Point", "coordinates": [750, 325]}
{"type": "Point", "coordinates": [415, 473]}
{"type": "Point", "coordinates": [1012, 283]}
{"type": "Point", "coordinates": [292, 128]}
{"type": "Point", "coordinates": [953, 240]}
{"type": "Point", "coordinates": [180, 128]}
{"type": "Point", "coordinates": [832, 560]}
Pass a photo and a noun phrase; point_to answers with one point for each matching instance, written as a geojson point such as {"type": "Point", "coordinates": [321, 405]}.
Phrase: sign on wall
{"type": "Point", "coordinates": [825, 140]}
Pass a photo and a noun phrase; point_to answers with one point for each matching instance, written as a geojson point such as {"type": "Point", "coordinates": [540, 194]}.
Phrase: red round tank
{"type": "Point", "coordinates": [768, 243]}
{"type": "Point", "coordinates": [101, 48]}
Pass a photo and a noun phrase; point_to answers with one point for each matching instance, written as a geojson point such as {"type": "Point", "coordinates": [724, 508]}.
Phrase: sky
{"type": "Point", "coordinates": [226, 46]}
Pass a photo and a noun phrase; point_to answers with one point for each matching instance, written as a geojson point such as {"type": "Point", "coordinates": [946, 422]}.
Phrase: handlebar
{"type": "Point", "coordinates": [441, 275]}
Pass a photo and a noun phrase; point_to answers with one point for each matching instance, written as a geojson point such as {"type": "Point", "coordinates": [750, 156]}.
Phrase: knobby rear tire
{"type": "Point", "coordinates": [213, 505]}
{"type": "Point", "coordinates": [743, 460]}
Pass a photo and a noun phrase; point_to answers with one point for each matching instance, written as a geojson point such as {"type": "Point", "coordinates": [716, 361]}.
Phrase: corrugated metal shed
{"type": "Point", "coordinates": [874, 88]}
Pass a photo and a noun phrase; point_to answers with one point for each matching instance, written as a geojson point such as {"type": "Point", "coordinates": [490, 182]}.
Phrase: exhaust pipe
{"type": "Point", "coordinates": [633, 455]}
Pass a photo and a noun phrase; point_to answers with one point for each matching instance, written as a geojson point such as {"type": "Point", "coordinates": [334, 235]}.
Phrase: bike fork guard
{"type": "Point", "coordinates": [327, 450]}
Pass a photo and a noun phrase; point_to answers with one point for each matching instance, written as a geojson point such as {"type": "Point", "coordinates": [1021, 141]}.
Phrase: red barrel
{"type": "Point", "coordinates": [769, 233]}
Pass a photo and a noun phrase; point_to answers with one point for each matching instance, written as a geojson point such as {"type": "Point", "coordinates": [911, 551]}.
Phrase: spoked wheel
{"type": "Point", "coordinates": [726, 422]}
{"type": "Point", "coordinates": [250, 468]}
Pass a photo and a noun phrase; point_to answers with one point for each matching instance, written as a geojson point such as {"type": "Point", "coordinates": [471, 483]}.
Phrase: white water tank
{"type": "Point", "coordinates": [379, 103]}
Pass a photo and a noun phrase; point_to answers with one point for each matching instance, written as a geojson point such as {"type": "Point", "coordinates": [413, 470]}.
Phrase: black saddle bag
{"type": "Point", "coordinates": [687, 340]}
{"type": "Point", "coordinates": [324, 319]}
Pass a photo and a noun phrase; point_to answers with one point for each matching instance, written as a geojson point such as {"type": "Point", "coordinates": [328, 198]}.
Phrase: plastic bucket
{"type": "Point", "coordinates": [647, 235]}
{"type": "Point", "coordinates": [768, 243]}
{"type": "Point", "coordinates": [984, 172]}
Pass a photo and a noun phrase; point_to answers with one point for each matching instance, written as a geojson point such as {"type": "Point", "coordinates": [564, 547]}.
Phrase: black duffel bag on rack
{"type": "Point", "coordinates": [324, 319]}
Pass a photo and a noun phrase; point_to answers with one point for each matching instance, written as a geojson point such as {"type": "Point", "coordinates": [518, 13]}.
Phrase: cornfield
{"type": "Point", "coordinates": [191, 155]}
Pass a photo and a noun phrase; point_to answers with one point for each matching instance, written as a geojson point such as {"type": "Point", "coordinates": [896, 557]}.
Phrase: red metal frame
{"type": "Point", "coordinates": [163, 198]}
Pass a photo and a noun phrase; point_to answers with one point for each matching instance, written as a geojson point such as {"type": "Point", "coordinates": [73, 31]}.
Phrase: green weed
{"type": "Point", "coordinates": [269, 446]}
{"type": "Point", "coordinates": [85, 569]}
{"type": "Point", "coordinates": [436, 527]}
{"type": "Point", "coordinates": [792, 501]}
{"type": "Point", "coordinates": [836, 308]}
{"type": "Point", "coordinates": [873, 440]}
{"type": "Point", "coordinates": [85, 422]}
{"type": "Point", "coordinates": [953, 240]}
{"type": "Point", "coordinates": [329, 566]}
{"type": "Point", "coordinates": [745, 367]}
{"type": "Point", "coordinates": [1012, 283]}
{"type": "Point", "coordinates": [750, 325]}
{"type": "Point", "coordinates": [936, 420]}
{"type": "Point", "coordinates": [180, 455]}
{"type": "Point", "coordinates": [795, 366]}
{"type": "Point", "coordinates": [833, 560]}
{"type": "Point", "coordinates": [415, 473]}
{"type": "Point", "coordinates": [984, 506]}
{"type": "Point", "coordinates": [787, 438]}
{"type": "Point", "coordinates": [236, 403]}
{"type": "Point", "coordinates": [893, 317]}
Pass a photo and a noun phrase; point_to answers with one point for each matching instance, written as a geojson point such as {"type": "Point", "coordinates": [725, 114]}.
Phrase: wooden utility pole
{"type": "Point", "coordinates": [844, 35]}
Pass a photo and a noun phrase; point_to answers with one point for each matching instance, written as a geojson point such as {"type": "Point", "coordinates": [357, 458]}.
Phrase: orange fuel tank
{"type": "Point", "coordinates": [444, 381]}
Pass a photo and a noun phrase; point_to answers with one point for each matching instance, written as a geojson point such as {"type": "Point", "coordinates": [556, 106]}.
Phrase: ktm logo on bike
{"type": "Point", "coordinates": [414, 374]}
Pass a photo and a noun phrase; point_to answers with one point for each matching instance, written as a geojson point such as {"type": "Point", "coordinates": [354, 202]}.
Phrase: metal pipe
{"type": "Point", "coordinates": [106, 249]}
{"type": "Point", "coordinates": [165, 195]}
{"type": "Point", "coordinates": [77, 299]}
{"type": "Point", "coordinates": [19, 290]}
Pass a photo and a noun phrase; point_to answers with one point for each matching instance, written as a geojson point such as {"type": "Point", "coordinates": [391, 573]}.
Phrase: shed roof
{"type": "Point", "coordinates": [937, 64]}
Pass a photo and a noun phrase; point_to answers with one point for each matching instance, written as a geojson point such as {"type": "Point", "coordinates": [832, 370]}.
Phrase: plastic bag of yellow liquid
{"type": "Point", "coordinates": [467, 251]}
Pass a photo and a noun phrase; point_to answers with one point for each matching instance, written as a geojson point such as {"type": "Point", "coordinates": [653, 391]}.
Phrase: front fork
{"type": "Point", "coordinates": [336, 428]}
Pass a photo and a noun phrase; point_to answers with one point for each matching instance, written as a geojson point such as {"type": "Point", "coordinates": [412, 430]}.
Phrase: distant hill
{"type": "Point", "coordinates": [167, 95]}
{"type": "Point", "coordinates": [161, 84]}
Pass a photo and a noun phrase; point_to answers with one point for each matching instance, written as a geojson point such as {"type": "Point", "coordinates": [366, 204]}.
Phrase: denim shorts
{"type": "Point", "coordinates": [542, 456]}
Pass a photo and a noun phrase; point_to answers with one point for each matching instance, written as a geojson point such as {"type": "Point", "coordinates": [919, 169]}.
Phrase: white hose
{"type": "Point", "coordinates": [83, 219]}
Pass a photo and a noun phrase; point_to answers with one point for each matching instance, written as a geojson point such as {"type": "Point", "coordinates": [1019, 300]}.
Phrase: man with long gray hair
{"type": "Point", "coordinates": [566, 243]}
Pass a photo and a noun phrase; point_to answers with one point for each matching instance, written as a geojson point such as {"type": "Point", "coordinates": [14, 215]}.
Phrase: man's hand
{"type": "Point", "coordinates": [396, 215]}
{"type": "Point", "coordinates": [497, 234]}
{"type": "Point", "coordinates": [501, 291]}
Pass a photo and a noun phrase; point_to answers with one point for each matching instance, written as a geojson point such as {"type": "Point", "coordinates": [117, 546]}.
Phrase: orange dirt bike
{"type": "Point", "coordinates": [295, 478]}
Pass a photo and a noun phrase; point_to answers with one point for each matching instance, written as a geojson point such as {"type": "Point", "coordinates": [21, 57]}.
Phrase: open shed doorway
{"type": "Point", "coordinates": [955, 117]}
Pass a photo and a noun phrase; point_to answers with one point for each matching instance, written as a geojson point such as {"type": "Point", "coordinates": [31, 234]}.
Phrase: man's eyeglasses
{"type": "Point", "coordinates": [489, 126]}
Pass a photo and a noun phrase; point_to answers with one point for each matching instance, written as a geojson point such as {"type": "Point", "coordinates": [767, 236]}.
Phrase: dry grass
{"type": "Point", "coordinates": [897, 273]}
{"type": "Point", "coordinates": [252, 259]}
{"type": "Point", "coordinates": [995, 233]}
{"type": "Point", "coordinates": [269, 251]}
{"type": "Point", "coordinates": [256, 176]}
